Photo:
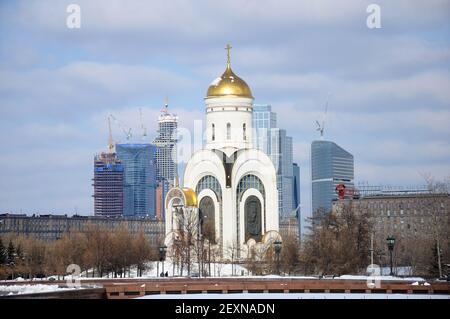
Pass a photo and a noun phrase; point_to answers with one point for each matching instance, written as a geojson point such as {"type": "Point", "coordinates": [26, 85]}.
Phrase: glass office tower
{"type": "Point", "coordinates": [330, 165]}
{"type": "Point", "coordinates": [139, 178]}
{"type": "Point", "coordinates": [274, 142]}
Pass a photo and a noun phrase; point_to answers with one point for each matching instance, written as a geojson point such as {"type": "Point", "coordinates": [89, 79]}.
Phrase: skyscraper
{"type": "Point", "coordinates": [139, 178]}
{"type": "Point", "coordinates": [274, 142]}
{"type": "Point", "coordinates": [108, 185]}
{"type": "Point", "coordinates": [296, 185]}
{"type": "Point", "coordinates": [166, 155]}
{"type": "Point", "coordinates": [296, 194]}
{"type": "Point", "coordinates": [330, 165]}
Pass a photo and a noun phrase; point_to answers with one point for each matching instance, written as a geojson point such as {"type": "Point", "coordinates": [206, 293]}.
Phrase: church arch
{"type": "Point", "coordinates": [253, 218]}
{"type": "Point", "coordinates": [247, 182]}
{"type": "Point", "coordinates": [214, 228]}
{"type": "Point", "coordinates": [207, 218]}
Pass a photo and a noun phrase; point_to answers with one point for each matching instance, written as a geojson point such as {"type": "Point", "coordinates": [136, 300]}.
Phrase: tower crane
{"type": "Point", "coordinates": [321, 127]}
{"type": "Point", "coordinates": [144, 129]}
{"type": "Point", "coordinates": [110, 138]}
{"type": "Point", "coordinates": [126, 131]}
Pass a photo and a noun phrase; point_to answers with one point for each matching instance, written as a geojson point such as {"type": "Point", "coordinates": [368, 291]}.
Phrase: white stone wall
{"type": "Point", "coordinates": [235, 111]}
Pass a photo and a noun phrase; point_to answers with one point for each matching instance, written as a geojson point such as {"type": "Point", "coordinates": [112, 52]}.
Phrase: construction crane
{"type": "Point", "coordinates": [321, 127]}
{"type": "Point", "coordinates": [110, 138]}
{"type": "Point", "coordinates": [126, 131]}
{"type": "Point", "coordinates": [144, 129]}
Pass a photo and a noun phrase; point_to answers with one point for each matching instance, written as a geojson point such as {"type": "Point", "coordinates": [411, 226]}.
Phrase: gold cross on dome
{"type": "Point", "coordinates": [228, 48]}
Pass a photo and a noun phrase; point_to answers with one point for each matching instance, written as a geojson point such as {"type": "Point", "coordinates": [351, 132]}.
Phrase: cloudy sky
{"type": "Point", "coordinates": [389, 87]}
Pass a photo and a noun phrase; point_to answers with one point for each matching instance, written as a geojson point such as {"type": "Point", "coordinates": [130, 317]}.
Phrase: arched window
{"type": "Point", "coordinates": [228, 131]}
{"type": "Point", "coordinates": [213, 137]}
{"type": "Point", "coordinates": [207, 219]}
{"type": "Point", "coordinates": [244, 133]}
{"type": "Point", "coordinates": [209, 182]}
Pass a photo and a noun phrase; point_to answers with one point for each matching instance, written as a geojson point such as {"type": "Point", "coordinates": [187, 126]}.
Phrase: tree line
{"type": "Point", "coordinates": [340, 242]}
{"type": "Point", "coordinates": [97, 251]}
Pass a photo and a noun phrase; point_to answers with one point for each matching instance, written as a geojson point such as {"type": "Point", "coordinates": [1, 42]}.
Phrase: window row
{"type": "Point", "coordinates": [244, 131]}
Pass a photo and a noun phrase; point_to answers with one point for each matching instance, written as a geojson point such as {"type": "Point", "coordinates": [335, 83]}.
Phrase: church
{"type": "Point", "coordinates": [231, 184]}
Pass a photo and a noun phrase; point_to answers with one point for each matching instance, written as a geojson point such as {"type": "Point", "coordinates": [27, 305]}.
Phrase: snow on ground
{"type": "Point", "coordinates": [399, 271]}
{"type": "Point", "coordinates": [29, 289]}
{"type": "Point", "coordinates": [220, 270]}
{"type": "Point", "coordinates": [234, 271]}
{"type": "Point", "coordinates": [154, 270]}
{"type": "Point", "coordinates": [295, 296]}
{"type": "Point", "coordinates": [353, 277]}
{"type": "Point", "coordinates": [217, 269]}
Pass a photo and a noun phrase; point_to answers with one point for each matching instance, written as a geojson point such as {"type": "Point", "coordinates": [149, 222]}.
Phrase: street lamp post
{"type": "Point", "coordinates": [277, 245]}
{"type": "Point", "coordinates": [391, 243]}
{"type": "Point", "coordinates": [162, 256]}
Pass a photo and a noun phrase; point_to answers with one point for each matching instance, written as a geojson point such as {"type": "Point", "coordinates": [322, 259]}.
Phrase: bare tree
{"type": "Point", "coordinates": [99, 249]}
{"type": "Point", "coordinates": [338, 243]}
{"type": "Point", "coordinates": [290, 255]}
{"type": "Point", "coordinates": [142, 252]}
{"type": "Point", "coordinates": [438, 221]}
{"type": "Point", "coordinates": [232, 253]}
{"type": "Point", "coordinates": [187, 221]}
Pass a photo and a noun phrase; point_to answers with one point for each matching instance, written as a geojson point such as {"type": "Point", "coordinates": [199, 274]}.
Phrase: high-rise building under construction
{"type": "Point", "coordinates": [108, 185]}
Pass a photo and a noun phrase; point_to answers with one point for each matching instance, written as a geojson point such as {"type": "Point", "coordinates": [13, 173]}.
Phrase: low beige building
{"type": "Point", "coordinates": [418, 222]}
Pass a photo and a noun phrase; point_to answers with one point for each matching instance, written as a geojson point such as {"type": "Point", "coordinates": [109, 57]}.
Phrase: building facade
{"type": "Point", "coordinates": [403, 215]}
{"type": "Point", "coordinates": [108, 185]}
{"type": "Point", "coordinates": [234, 182]}
{"type": "Point", "coordinates": [139, 188]}
{"type": "Point", "coordinates": [331, 165]}
{"type": "Point", "coordinates": [417, 221]}
{"type": "Point", "coordinates": [278, 146]}
{"type": "Point", "coordinates": [53, 227]}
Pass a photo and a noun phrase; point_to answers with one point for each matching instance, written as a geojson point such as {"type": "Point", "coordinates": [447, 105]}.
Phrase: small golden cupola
{"type": "Point", "coordinates": [229, 84]}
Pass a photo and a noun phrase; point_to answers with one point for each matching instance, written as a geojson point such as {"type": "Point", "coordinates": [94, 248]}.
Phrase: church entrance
{"type": "Point", "coordinates": [252, 215]}
{"type": "Point", "coordinates": [207, 218]}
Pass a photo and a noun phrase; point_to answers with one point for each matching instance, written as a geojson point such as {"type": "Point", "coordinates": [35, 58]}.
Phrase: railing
{"type": "Point", "coordinates": [240, 285]}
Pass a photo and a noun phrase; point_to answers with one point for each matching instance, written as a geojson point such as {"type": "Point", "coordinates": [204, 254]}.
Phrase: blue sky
{"type": "Point", "coordinates": [389, 88]}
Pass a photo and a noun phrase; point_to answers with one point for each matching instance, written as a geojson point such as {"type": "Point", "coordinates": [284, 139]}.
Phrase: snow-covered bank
{"type": "Point", "coordinates": [20, 289]}
{"type": "Point", "coordinates": [29, 289]}
{"type": "Point", "coordinates": [221, 270]}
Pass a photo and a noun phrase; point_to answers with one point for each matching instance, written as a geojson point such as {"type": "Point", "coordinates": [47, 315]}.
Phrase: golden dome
{"type": "Point", "coordinates": [191, 197]}
{"type": "Point", "coordinates": [229, 84]}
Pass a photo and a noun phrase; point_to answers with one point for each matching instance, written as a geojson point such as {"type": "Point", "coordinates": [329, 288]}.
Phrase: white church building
{"type": "Point", "coordinates": [228, 182]}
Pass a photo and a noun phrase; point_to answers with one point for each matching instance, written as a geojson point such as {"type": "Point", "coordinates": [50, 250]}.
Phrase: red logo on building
{"type": "Point", "coordinates": [340, 190]}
